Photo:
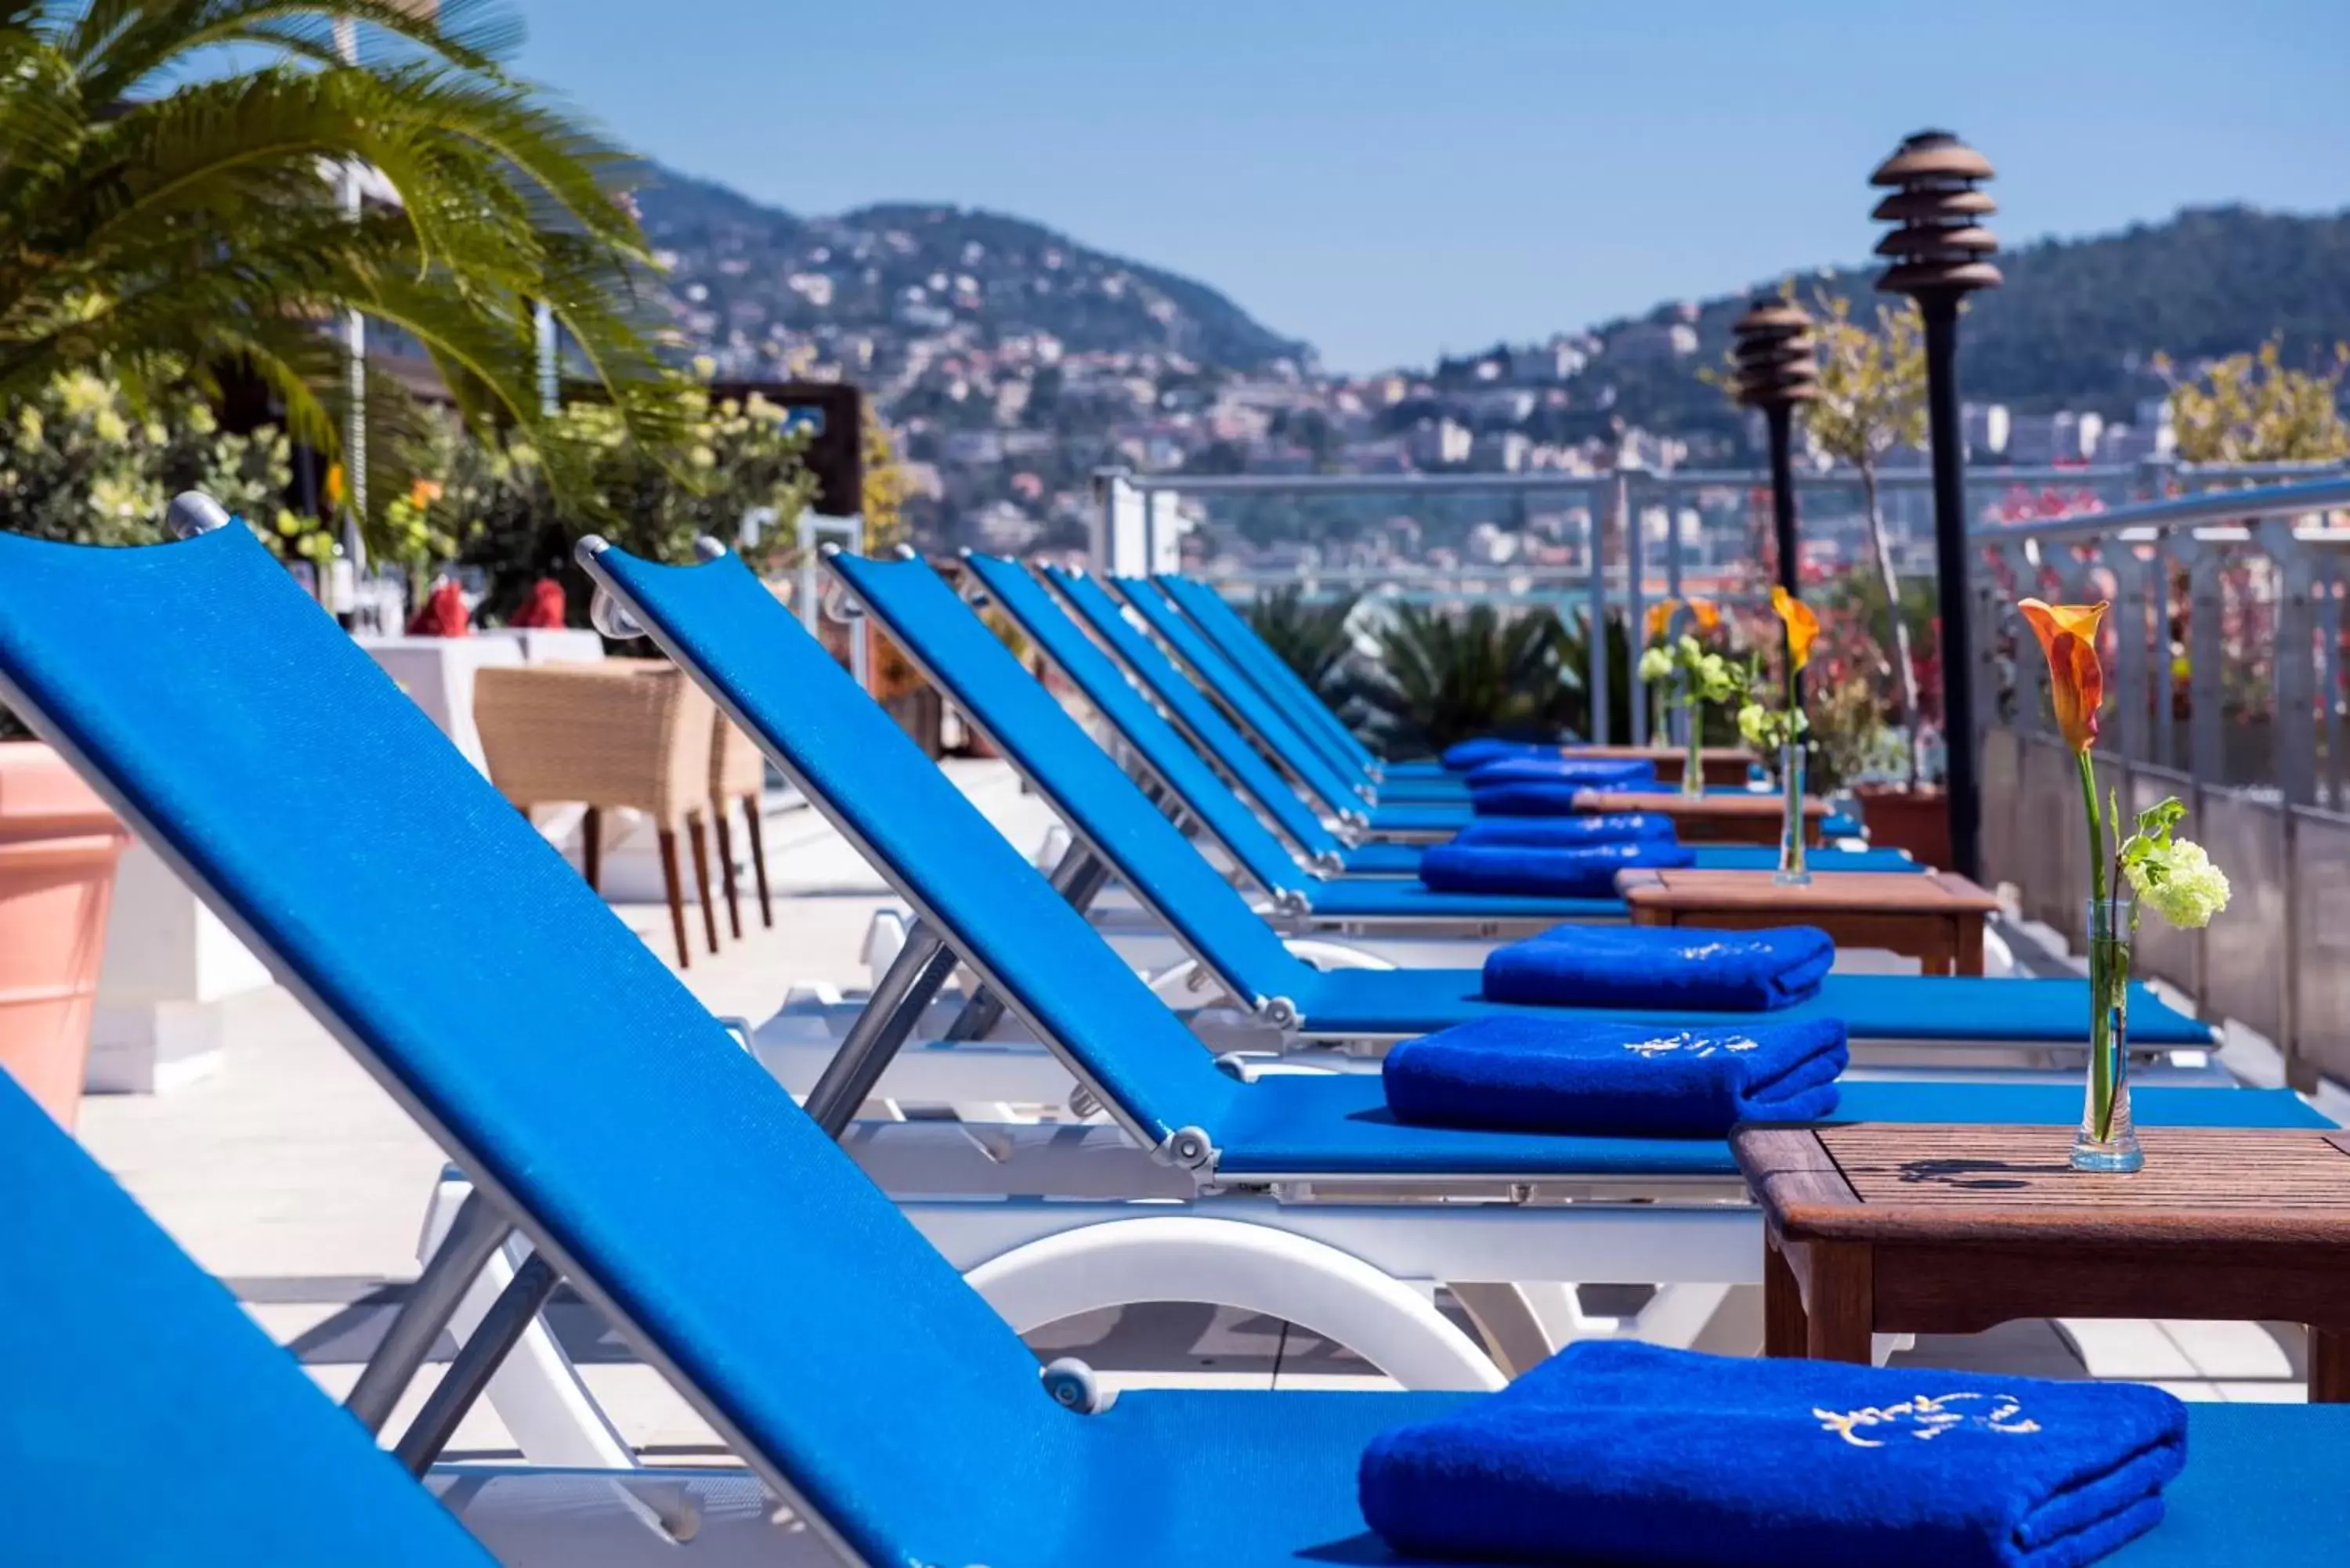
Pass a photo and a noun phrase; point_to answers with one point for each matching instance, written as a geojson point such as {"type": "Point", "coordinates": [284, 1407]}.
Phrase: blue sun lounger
{"type": "Point", "coordinates": [1280, 726]}
{"type": "Point", "coordinates": [147, 1419]}
{"type": "Point", "coordinates": [1214, 740]}
{"type": "Point", "coordinates": [716, 621]}
{"type": "Point", "coordinates": [970, 665]}
{"type": "Point", "coordinates": [1340, 797]}
{"type": "Point", "coordinates": [1281, 686]}
{"type": "Point", "coordinates": [1284, 687]}
{"type": "Point", "coordinates": [606, 1117]}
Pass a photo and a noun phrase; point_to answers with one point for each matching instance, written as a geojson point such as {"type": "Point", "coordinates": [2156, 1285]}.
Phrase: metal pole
{"type": "Point", "coordinates": [477, 1360]}
{"type": "Point", "coordinates": [920, 968]}
{"type": "Point", "coordinates": [474, 1236]}
{"type": "Point", "coordinates": [1636, 615]}
{"type": "Point", "coordinates": [550, 370]}
{"type": "Point", "coordinates": [1951, 554]}
{"type": "Point", "coordinates": [1596, 650]}
{"type": "Point", "coordinates": [355, 448]}
{"type": "Point", "coordinates": [1779, 418]}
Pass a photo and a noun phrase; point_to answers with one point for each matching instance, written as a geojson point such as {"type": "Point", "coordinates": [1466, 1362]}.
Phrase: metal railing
{"type": "Point", "coordinates": [1649, 532]}
{"type": "Point", "coordinates": [2225, 686]}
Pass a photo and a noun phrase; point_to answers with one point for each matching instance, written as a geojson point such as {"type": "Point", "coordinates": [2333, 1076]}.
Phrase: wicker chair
{"type": "Point", "coordinates": [738, 772]}
{"type": "Point", "coordinates": [628, 733]}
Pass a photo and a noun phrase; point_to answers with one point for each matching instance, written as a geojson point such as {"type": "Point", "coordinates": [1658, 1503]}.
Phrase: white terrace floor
{"type": "Point", "coordinates": [291, 1176]}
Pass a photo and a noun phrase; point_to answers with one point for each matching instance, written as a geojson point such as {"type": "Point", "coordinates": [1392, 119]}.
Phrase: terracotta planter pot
{"type": "Point", "coordinates": [59, 845]}
{"type": "Point", "coordinates": [1916, 820]}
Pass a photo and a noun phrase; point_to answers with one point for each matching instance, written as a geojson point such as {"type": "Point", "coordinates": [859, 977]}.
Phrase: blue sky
{"type": "Point", "coordinates": [1389, 180]}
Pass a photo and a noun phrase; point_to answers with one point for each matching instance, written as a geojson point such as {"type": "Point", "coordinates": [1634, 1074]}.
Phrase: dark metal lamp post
{"type": "Point", "coordinates": [1776, 371]}
{"type": "Point", "coordinates": [1939, 255]}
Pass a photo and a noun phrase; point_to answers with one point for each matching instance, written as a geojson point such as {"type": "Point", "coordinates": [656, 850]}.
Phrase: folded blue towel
{"type": "Point", "coordinates": [1686, 967]}
{"type": "Point", "coordinates": [1615, 1451]}
{"type": "Point", "coordinates": [1464, 755]}
{"type": "Point", "coordinates": [1604, 1076]}
{"type": "Point", "coordinates": [1568, 832]}
{"type": "Point", "coordinates": [1576, 871]}
{"type": "Point", "coordinates": [1586, 773]}
{"type": "Point", "coordinates": [1527, 799]}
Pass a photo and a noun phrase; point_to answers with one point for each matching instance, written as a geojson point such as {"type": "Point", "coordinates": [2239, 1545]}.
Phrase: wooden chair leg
{"type": "Point", "coordinates": [701, 879]}
{"type": "Point", "coordinates": [758, 857]}
{"type": "Point", "coordinates": [591, 847]}
{"type": "Point", "coordinates": [726, 864]}
{"type": "Point", "coordinates": [670, 880]}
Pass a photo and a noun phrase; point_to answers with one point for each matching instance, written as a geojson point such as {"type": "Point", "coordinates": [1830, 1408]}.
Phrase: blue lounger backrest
{"type": "Point", "coordinates": [1000, 913]}
{"type": "Point", "coordinates": [146, 1419]}
{"type": "Point", "coordinates": [537, 1037]}
{"type": "Point", "coordinates": [971, 664]}
{"type": "Point", "coordinates": [1240, 643]}
{"type": "Point", "coordinates": [1186, 772]}
{"type": "Point", "coordinates": [1274, 681]}
{"type": "Point", "coordinates": [1194, 713]}
{"type": "Point", "coordinates": [1216, 675]}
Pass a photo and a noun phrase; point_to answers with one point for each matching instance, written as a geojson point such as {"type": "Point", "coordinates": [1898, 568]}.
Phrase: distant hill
{"type": "Point", "coordinates": [902, 269]}
{"type": "Point", "coordinates": [2075, 324]}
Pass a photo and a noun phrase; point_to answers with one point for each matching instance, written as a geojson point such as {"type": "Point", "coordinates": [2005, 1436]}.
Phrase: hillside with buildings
{"type": "Point", "coordinates": [1015, 361]}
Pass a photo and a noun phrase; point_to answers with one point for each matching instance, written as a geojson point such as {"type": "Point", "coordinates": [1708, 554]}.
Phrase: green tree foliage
{"type": "Point", "coordinates": [168, 209]}
{"type": "Point", "coordinates": [2253, 408]}
{"type": "Point", "coordinates": [494, 505]}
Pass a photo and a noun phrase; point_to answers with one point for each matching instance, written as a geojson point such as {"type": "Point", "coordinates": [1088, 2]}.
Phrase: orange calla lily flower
{"type": "Point", "coordinates": [1803, 625]}
{"type": "Point", "coordinates": [1708, 614]}
{"type": "Point", "coordinates": [2076, 680]}
{"type": "Point", "coordinates": [1660, 616]}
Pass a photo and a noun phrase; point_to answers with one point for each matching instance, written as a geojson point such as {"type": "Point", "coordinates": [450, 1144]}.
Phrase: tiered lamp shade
{"type": "Point", "coordinates": [1772, 351]}
{"type": "Point", "coordinates": [1941, 246]}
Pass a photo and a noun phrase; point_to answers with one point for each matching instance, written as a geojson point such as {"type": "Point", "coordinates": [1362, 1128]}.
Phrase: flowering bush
{"type": "Point", "coordinates": [491, 506]}
{"type": "Point", "coordinates": [84, 465]}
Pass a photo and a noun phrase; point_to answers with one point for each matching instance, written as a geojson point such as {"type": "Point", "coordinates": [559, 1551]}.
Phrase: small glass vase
{"type": "Point", "coordinates": [1693, 765]}
{"type": "Point", "coordinates": [1792, 871]}
{"type": "Point", "coordinates": [2107, 1141]}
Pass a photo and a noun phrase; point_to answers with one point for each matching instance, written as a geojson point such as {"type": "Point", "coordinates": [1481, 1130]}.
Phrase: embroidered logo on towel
{"type": "Point", "coordinates": [1689, 1043]}
{"type": "Point", "coordinates": [1924, 1419]}
{"type": "Point", "coordinates": [1697, 952]}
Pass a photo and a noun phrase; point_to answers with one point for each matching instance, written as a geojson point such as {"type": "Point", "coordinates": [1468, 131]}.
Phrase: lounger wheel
{"type": "Point", "coordinates": [1229, 1262]}
{"type": "Point", "coordinates": [1075, 1386]}
{"type": "Point", "coordinates": [1189, 1148]}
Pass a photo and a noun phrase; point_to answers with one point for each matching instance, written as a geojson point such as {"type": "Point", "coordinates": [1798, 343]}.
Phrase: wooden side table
{"type": "Point", "coordinates": [1711, 818]}
{"type": "Point", "coordinates": [1874, 1228]}
{"type": "Point", "coordinates": [1934, 917]}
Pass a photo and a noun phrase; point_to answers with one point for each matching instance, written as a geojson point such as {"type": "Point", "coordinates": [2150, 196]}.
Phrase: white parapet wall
{"type": "Point", "coordinates": [170, 994]}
